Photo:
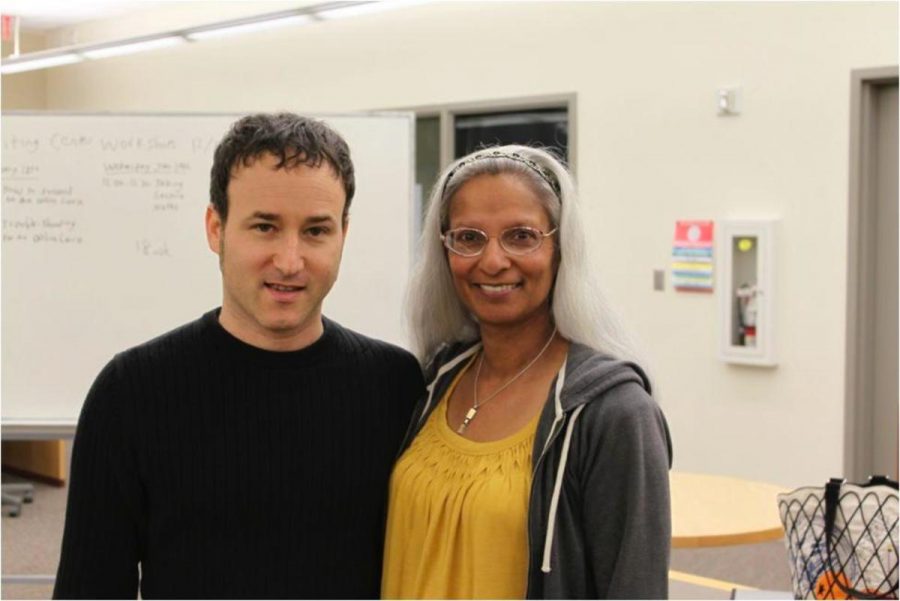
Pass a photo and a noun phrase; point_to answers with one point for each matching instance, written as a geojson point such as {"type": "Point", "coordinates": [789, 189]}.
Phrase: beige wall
{"type": "Point", "coordinates": [651, 150]}
{"type": "Point", "coordinates": [28, 90]}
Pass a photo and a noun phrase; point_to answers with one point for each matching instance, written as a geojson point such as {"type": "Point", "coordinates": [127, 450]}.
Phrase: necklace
{"type": "Point", "coordinates": [470, 415]}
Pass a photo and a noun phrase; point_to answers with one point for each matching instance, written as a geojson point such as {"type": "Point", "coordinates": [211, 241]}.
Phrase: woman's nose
{"type": "Point", "coordinates": [493, 258]}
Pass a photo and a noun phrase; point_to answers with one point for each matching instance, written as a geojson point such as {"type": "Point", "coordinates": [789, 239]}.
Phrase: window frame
{"type": "Point", "coordinates": [447, 113]}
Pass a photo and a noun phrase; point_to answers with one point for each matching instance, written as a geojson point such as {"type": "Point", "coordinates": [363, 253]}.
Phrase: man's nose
{"type": "Point", "coordinates": [288, 258]}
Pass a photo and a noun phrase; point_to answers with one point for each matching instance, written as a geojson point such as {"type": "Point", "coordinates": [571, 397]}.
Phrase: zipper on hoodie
{"type": "Point", "coordinates": [558, 418]}
{"type": "Point", "coordinates": [548, 443]}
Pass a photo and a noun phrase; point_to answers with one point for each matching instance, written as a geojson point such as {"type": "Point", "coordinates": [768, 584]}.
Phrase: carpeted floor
{"type": "Point", "coordinates": [31, 541]}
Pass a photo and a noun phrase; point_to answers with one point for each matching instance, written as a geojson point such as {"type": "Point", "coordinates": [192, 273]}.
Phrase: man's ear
{"type": "Point", "coordinates": [214, 226]}
{"type": "Point", "coordinates": [345, 224]}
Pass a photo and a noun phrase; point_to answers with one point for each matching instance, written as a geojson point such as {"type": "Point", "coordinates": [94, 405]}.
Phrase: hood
{"type": "Point", "coordinates": [589, 375]}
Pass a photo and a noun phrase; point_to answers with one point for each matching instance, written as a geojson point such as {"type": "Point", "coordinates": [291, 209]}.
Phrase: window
{"type": "Point", "coordinates": [547, 128]}
{"type": "Point", "coordinates": [446, 133]}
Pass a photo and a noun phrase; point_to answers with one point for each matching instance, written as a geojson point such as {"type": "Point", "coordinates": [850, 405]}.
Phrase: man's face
{"type": "Point", "coordinates": [279, 251]}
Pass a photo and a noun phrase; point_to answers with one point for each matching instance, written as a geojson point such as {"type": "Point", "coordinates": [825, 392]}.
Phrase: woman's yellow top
{"type": "Point", "coordinates": [457, 520]}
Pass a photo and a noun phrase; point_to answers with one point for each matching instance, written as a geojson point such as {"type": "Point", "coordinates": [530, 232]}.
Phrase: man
{"type": "Point", "coordinates": [246, 454]}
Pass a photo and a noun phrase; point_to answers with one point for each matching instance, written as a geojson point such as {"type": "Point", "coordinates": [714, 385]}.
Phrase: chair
{"type": "Point", "coordinates": [15, 495]}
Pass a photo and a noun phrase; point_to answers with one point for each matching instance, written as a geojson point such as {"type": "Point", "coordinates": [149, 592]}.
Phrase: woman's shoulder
{"type": "Point", "coordinates": [616, 397]}
{"type": "Point", "coordinates": [593, 376]}
{"type": "Point", "coordinates": [446, 353]}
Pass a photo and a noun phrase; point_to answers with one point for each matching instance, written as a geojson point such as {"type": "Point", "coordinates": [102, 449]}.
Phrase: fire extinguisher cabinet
{"type": "Point", "coordinates": [747, 291]}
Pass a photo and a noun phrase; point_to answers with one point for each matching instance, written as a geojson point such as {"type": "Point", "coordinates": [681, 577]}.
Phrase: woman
{"type": "Point", "coordinates": [537, 466]}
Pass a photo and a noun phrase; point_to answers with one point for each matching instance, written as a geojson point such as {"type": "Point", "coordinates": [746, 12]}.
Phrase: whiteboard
{"type": "Point", "coordinates": [104, 244]}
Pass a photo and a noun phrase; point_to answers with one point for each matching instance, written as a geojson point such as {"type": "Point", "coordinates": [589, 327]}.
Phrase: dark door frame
{"type": "Point", "coordinates": [858, 409]}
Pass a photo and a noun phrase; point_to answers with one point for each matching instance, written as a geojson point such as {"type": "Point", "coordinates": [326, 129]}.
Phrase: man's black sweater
{"type": "Point", "coordinates": [226, 471]}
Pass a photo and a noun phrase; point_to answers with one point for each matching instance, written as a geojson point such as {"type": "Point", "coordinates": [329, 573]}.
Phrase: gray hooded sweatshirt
{"type": "Point", "coordinates": [599, 524]}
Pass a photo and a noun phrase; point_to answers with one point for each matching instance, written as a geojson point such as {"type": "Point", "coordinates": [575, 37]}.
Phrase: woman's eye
{"type": "Point", "coordinates": [522, 235]}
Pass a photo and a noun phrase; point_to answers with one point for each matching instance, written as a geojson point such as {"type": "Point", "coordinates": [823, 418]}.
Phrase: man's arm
{"type": "Point", "coordinates": [413, 384]}
{"type": "Point", "coordinates": [101, 542]}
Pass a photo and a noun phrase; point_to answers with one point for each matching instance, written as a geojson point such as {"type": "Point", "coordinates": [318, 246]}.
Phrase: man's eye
{"type": "Point", "coordinates": [264, 227]}
{"type": "Point", "coordinates": [317, 230]}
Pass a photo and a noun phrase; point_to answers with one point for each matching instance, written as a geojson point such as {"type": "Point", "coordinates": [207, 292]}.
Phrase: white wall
{"type": "Point", "coordinates": [650, 150]}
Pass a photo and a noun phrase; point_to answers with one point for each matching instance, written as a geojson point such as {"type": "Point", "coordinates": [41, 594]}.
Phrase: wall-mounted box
{"type": "Point", "coordinates": [747, 291]}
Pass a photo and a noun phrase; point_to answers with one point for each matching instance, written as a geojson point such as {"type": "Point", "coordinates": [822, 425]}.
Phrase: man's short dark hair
{"type": "Point", "coordinates": [293, 139]}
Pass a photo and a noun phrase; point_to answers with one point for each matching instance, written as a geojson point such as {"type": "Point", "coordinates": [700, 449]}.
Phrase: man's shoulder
{"type": "Point", "coordinates": [126, 379]}
{"type": "Point", "coordinates": [172, 345]}
{"type": "Point", "coordinates": [366, 346]}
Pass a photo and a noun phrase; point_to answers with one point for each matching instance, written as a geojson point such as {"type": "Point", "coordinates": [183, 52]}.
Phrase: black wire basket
{"type": "Point", "coordinates": [842, 539]}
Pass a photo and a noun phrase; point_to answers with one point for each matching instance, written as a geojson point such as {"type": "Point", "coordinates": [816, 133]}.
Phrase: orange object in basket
{"type": "Point", "coordinates": [827, 586]}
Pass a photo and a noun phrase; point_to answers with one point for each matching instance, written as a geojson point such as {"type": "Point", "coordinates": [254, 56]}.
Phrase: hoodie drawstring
{"type": "Point", "coordinates": [558, 414]}
{"type": "Point", "coordinates": [557, 487]}
{"type": "Point", "coordinates": [441, 371]}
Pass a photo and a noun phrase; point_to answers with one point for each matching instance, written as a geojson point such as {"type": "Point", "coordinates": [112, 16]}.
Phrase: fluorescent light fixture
{"type": "Point", "coordinates": [362, 8]}
{"type": "Point", "coordinates": [273, 23]}
{"type": "Point", "coordinates": [30, 64]}
{"type": "Point", "coordinates": [334, 9]}
{"type": "Point", "coordinates": [128, 47]}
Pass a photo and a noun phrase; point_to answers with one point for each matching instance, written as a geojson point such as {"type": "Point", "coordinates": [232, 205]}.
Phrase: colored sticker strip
{"type": "Point", "coordinates": [692, 256]}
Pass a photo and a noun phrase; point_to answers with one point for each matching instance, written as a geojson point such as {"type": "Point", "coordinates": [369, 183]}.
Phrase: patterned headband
{"type": "Point", "coordinates": [512, 156]}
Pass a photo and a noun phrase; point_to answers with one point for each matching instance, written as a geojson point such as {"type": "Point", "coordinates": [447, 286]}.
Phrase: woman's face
{"type": "Point", "coordinates": [497, 287]}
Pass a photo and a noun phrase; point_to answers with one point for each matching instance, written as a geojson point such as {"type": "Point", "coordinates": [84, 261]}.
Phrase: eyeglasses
{"type": "Point", "coordinates": [471, 242]}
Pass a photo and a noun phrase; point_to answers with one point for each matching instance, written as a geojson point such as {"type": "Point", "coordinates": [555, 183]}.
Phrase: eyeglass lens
{"type": "Point", "coordinates": [515, 240]}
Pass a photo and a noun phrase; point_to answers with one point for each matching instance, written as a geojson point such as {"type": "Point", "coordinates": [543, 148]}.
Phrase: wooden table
{"type": "Point", "coordinates": [712, 511]}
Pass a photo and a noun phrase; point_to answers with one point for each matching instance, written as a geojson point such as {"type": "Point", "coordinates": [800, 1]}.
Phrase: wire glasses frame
{"type": "Point", "coordinates": [471, 242]}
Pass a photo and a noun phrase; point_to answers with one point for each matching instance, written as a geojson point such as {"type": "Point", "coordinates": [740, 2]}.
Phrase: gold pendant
{"type": "Point", "coordinates": [469, 417]}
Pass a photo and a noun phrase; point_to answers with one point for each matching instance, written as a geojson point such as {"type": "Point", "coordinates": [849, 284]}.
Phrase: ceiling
{"type": "Point", "coordinates": [40, 15]}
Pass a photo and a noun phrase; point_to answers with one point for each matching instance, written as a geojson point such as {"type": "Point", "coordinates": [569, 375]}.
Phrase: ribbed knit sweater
{"type": "Point", "coordinates": [222, 470]}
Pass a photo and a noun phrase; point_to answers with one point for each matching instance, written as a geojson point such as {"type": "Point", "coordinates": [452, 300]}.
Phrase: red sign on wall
{"type": "Point", "coordinates": [7, 21]}
{"type": "Point", "coordinates": [693, 234]}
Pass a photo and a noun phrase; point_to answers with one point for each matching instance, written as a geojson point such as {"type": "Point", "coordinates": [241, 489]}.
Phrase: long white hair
{"type": "Point", "coordinates": [579, 307]}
